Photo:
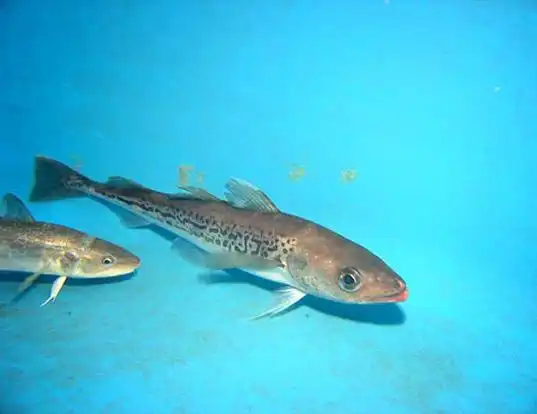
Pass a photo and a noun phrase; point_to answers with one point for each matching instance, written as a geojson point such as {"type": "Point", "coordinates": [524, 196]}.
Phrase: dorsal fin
{"type": "Point", "coordinates": [242, 194]}
{"type": "Point", "coordinates": [122, 182]}
{"type": "Point", "coordinates": [194, 193]}
{"type": "Point", "coordinates": [15, 209]}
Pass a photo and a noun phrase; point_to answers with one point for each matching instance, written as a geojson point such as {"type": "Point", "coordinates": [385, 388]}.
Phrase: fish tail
{"type": "Point", "coordinates": [53, 181]}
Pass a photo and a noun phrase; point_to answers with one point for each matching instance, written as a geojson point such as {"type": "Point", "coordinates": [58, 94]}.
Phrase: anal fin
{"type": "Point", "coordinates": [132, 220]}
{"type": "Point", "coordinates": [26, 283]}
{"type": "Point", "coordinates": [127, 218]}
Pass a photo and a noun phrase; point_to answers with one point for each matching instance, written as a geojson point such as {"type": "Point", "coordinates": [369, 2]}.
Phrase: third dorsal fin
{"type": "Point", "coordinates": [197, 193]}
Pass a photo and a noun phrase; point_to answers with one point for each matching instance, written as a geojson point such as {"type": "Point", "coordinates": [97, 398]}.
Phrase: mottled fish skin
{"type": "Point", "coordinates": [41, 247]}
{"type": "Point", "coordinates": [33, 247]}
{"type": "Point", "coordinates": [27, 245]}
{"type": "Point", "coordinates": [215, 224]}
{"type": "Point", "coordinates": [312, 259]}
{"type": "Point", "coordinates": [278, 236]}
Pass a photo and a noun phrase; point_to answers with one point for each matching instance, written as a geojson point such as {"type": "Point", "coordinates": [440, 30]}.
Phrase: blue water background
{"type": "Point", "coordinates": [433, 103]}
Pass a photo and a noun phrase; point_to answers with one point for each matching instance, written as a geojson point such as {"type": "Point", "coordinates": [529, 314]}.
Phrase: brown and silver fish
{"type": "Point", "coordinates": [246, 231]}
{"type": "Point", "coordinates": [27, 245]}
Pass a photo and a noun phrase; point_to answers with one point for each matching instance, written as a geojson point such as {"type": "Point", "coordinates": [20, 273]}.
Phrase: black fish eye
{"type": "Point", "coordinates": [349, 280]}
{"type": "Point", "coordinates": [108, 260]}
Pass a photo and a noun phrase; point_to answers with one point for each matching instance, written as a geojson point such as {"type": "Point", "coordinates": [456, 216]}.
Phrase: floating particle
{"type": "Point", "coordinates": [200, 178]}
{"type": "Point", "coordinates": [497, 89]}
{"type": "Point", "coordinates": [349, 175]}
{"type": "Point", "coordinates": [184, 174]}
{"type": "Point", "coordinates": [297, 172]}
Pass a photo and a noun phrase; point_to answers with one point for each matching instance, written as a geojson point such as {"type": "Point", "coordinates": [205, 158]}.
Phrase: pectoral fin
{"type": "Point", "coordinates": [55, 290]}
{"type": "Point", "coordinates": [287, 297]}
{"type": "Point", "coordinates": [221, 261]}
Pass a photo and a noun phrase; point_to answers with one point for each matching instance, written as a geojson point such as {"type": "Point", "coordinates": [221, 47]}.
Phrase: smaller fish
{"type": "Point", "coordinates": [27, 245]}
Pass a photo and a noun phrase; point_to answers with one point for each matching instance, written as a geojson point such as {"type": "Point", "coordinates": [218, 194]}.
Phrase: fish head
{"type": "Point", "coordinates": [379, 284]}
{"type": "Point", "coordinates": [104, 259]}
{"type": "Point", "coordinates": [347, 272]}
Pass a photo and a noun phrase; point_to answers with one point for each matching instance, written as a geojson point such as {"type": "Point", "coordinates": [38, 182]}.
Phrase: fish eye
{"type": "Point", "coordinates": [350, 280]}
{"type": "Point", "coordinates": [108, 260]}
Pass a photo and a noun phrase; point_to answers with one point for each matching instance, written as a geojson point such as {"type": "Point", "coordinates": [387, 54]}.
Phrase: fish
{"type": "Point", "coordinates": [38, 247]}
{"type": "Point", "coordinates": [244, 230]}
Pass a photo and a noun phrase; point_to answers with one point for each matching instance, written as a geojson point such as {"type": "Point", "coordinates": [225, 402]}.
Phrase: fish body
{"type": "Point", "coordinates": [245, 231]}
{"type": "Point", "coordinates": [27, 245]}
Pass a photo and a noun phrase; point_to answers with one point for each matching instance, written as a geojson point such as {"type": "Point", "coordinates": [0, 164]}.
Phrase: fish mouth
{"type": "Point", "coordinates": [399, 296]}
{"type": "Point", "coordinates": [118, 271]}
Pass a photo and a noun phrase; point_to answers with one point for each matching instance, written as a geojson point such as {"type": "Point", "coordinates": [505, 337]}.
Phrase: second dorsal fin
{"type": "Point", "coordinates": [242, 194]}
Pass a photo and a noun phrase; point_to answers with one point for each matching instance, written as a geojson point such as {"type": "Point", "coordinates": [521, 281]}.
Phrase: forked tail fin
{"type": "Point", "coordinates": [52, 180]}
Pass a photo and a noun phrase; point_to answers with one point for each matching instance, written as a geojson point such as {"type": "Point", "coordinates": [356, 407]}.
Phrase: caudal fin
{"type": "Point", "coordinates": [54, 180]}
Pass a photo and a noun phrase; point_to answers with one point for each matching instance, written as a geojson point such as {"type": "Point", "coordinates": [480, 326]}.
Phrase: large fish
{"type": "Point", "coordinates": [246, 231]}
{"type": "Point", "coordinates": [37, 247]}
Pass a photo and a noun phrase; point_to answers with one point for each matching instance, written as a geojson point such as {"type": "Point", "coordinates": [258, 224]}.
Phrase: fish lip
{"type": "Point", "coordinates": [400, 295]}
